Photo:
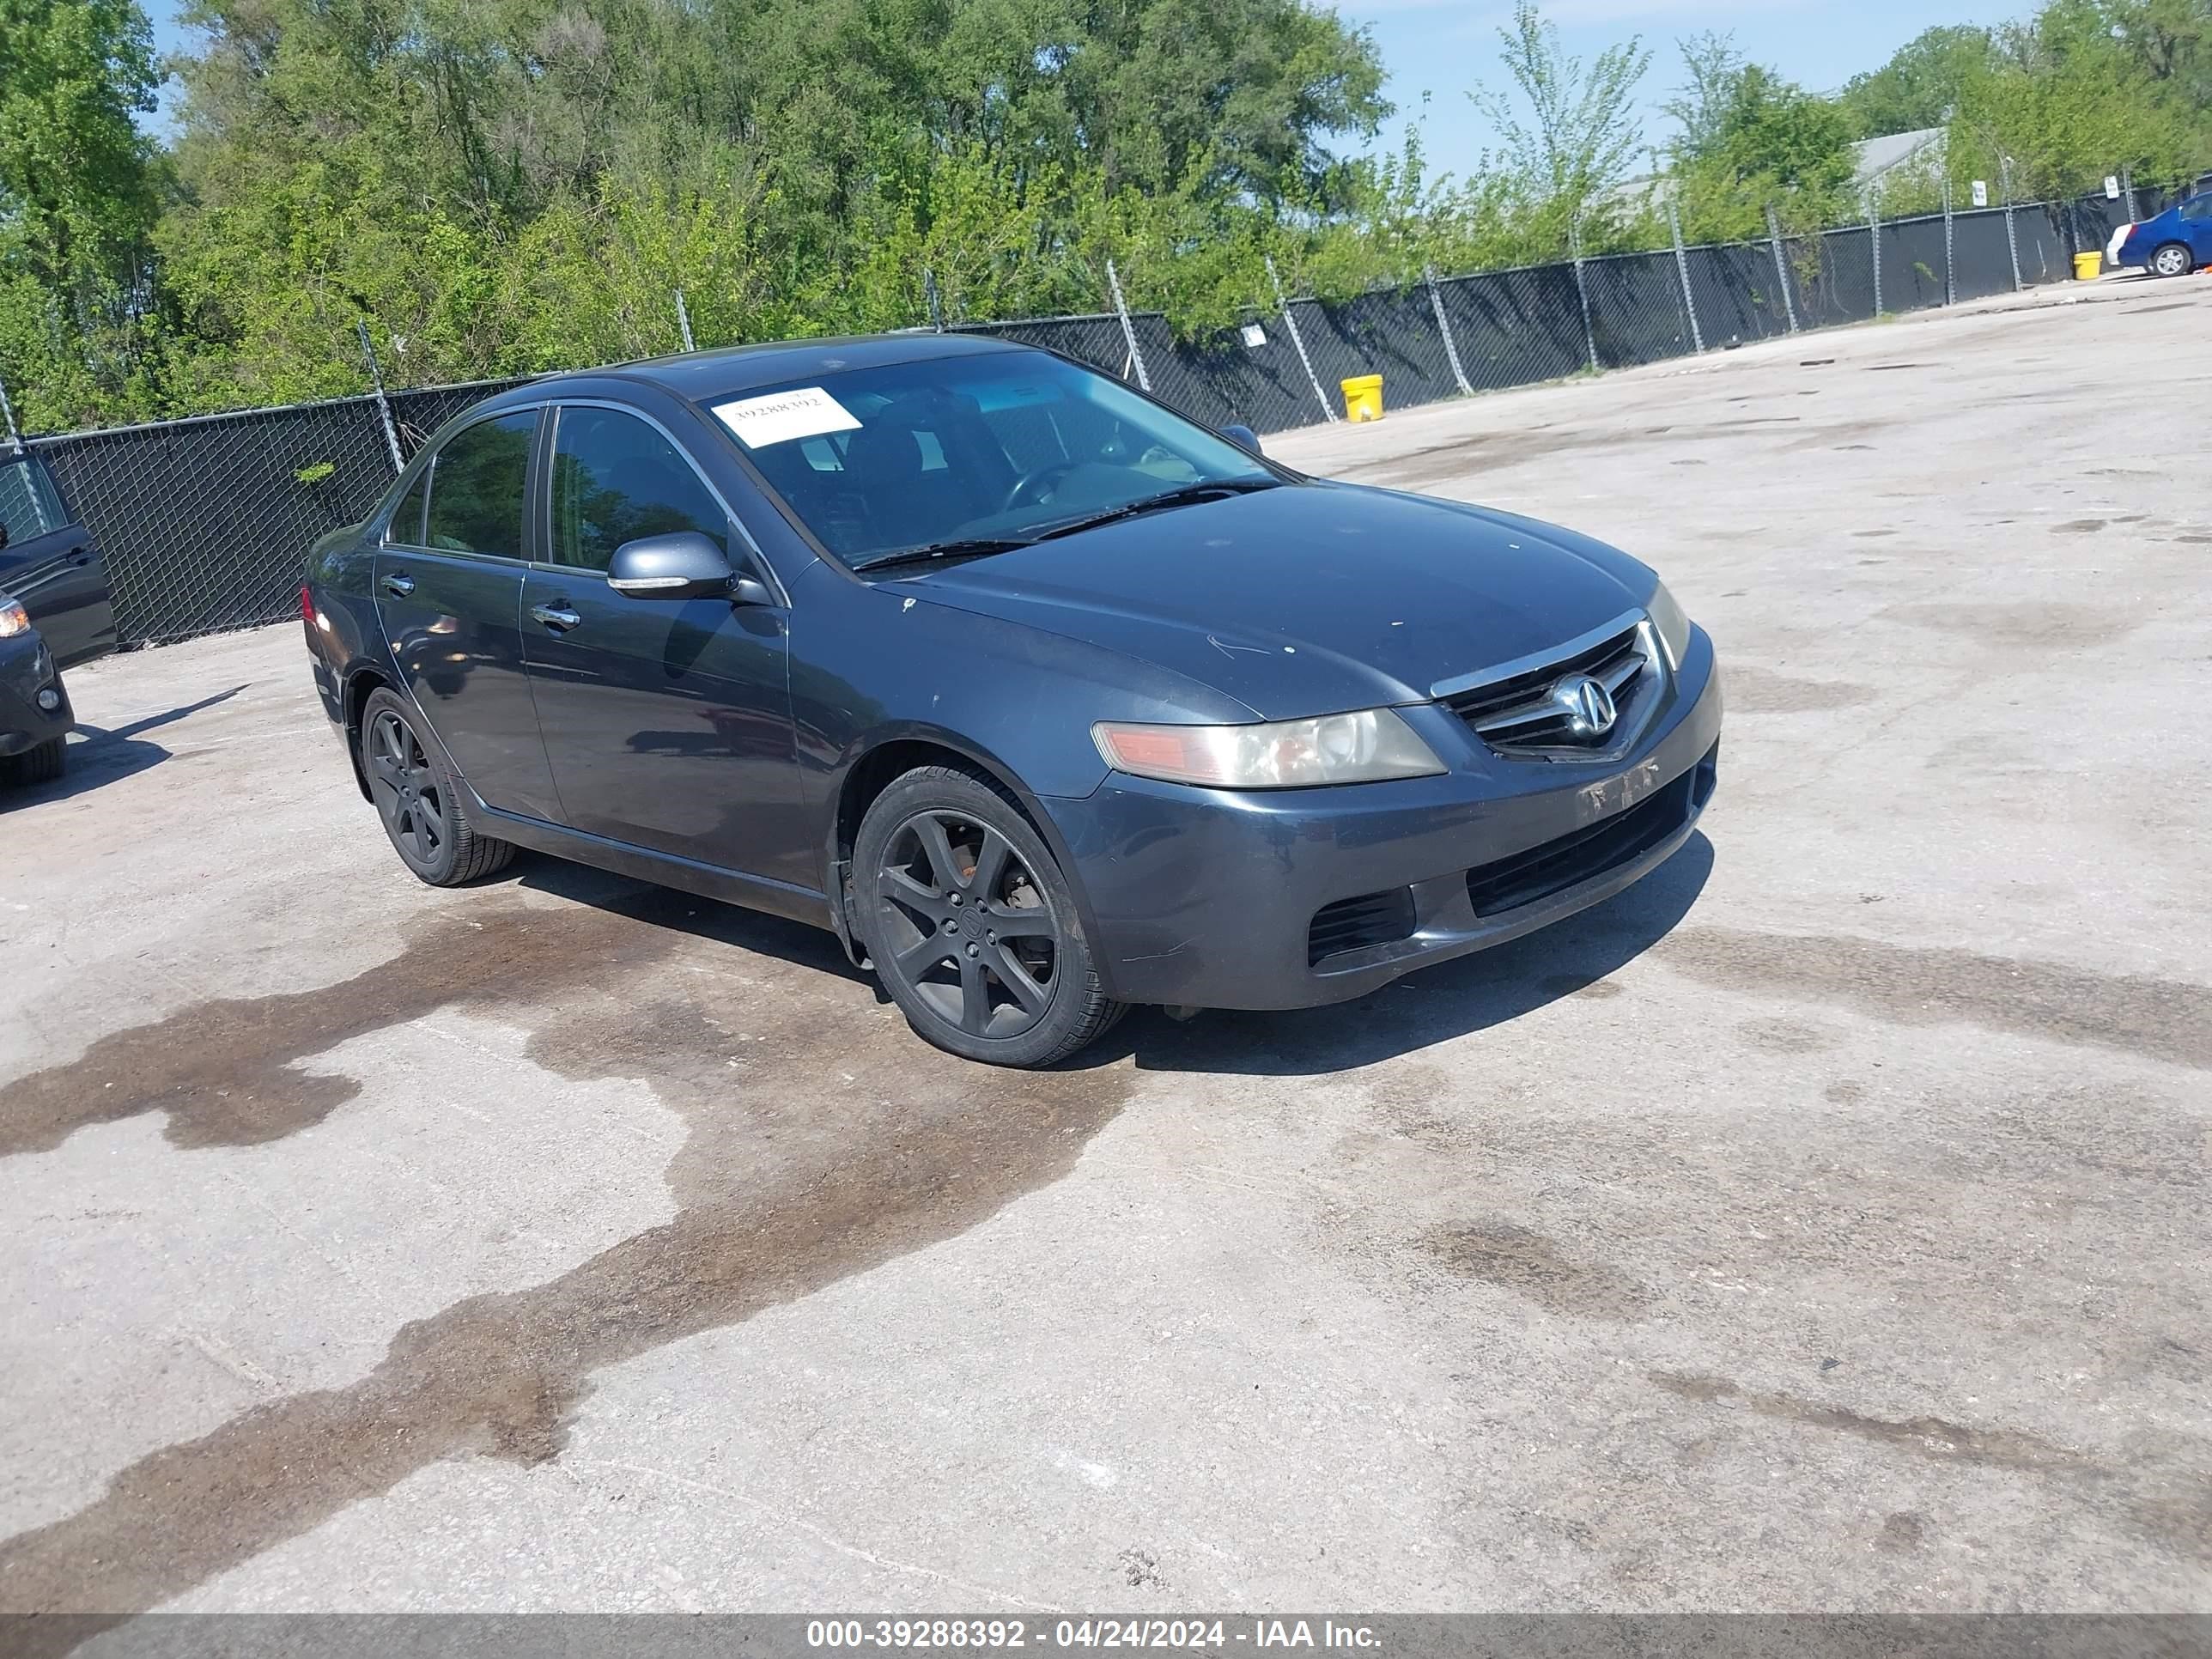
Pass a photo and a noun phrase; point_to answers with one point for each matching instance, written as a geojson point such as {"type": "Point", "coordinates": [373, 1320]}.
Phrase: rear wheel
{"type": "Point", "coordinates": [42, 764]}
{"type": "Point", "coordinates": [972, 927]}
{"type": "Point", "coordinates": [2173, 259]}
{"type": "Point", "coordinates": [420, 801]}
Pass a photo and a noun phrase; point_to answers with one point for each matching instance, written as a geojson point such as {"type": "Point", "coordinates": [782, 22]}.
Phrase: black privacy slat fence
{"type": "Point", "coordinates": [205, 523]}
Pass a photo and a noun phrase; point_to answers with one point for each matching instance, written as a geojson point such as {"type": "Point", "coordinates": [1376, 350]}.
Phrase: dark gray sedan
{"type": "Point", "coordinates": [1046, 700]}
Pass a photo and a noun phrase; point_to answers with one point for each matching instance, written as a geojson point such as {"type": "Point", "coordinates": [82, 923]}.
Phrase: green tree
{"type": "Point", "coordinates": [1923, 80]}
{"type": "Point", "coordinates": [2071, 95]}
{"type": "Point", "coordinates": [1571, 134]}
{"type": "Point", "coordinates": [1715, 70]}
{"type": "Point", "coordinates": [78, 194]}
{"type": "Point", "coordinates": [1752, 140]}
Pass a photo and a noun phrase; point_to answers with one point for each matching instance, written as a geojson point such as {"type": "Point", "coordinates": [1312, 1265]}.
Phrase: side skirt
{"type": "Point", "coordinates": [689, 875]}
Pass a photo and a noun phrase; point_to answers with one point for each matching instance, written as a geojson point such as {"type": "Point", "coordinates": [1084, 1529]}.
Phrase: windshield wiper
{"type": "Point", "coordinates": [967, 547]}
{"type": "Point", "coordinates": [1181, 496]}
{"type": "Point", "coordinates": [982, 547]}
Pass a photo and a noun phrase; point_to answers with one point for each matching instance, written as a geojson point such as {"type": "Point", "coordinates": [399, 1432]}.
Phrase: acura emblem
{"type": "Point", "coordinates": [1588, 704]}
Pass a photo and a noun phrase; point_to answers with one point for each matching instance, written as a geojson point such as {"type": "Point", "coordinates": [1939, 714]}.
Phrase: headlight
{"type": "Point", "coordinates": [14, 619]}
{"type": "Point", "coordinates": [1674, 625]}
{"type": "Point", "coordinates": [1364, 747]}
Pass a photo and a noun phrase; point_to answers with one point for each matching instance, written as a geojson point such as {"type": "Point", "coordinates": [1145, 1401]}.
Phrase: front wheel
{"type": "Point", "coordinates": [972, 927]}
{"type": "Point", "coordinates": [419, 799]}
{"type": "Point", "coordinates": [40, 765]}
{"type": "Point", "coordinates": [2172, 260]}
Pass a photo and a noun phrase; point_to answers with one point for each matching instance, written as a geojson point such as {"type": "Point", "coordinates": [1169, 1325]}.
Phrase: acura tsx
{"type": "Point", "coordinates": [1045, 699]}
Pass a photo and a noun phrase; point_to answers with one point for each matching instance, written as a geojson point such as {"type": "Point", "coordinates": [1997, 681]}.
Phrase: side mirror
{"type": "Point", "coordinates": [680, 565]}
{"type": "Point", "coordinates": [1243, 436]}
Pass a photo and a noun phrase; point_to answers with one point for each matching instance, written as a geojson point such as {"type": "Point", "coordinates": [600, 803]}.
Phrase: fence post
{"type": "Point", "coordinates": [2128, 195]}
{"type": "Point", "coordinates": [1874, 243]}
{"type": "Point", "coordinates": [932, 299]}
{"type": "Point", "coordinates": [1950, 261]}
{"type": "Point", "coordinates": [1581, 291]}
{"type": "Point", "coordinates": [1128, 328]}
{"type": "Point", "coordinates": [684, 322]}
{"type": "Point", "coordinates": [383, 404]}
{"type": "Point", "coordinates": [1444, 327]}
{"type": "Point", "coordinates": [2012, 241]}
{"type": "Point", "coordinates": [1298, 340]}
{"type": "Point", "coordinates": [1682, 270]}
{"type": "Point", "coordinates": [1781, 267]}
{"type": "Point", "coordinates": [8, 410]}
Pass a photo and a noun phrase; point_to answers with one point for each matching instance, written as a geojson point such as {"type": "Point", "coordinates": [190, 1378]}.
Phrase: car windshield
{"type": "Point", "coordinates": [967, 453]}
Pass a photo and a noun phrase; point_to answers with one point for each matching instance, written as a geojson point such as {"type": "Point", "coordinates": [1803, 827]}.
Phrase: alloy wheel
{"type": "Point", "coordinates": [409, 794]}
{"type": "Point", "coordinates": [2170, 262]}
{"type": "Point", "coordinates": [965, 923]}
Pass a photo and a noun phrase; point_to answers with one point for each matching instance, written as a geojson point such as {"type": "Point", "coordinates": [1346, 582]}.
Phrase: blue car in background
{"type": "Point", "coordinates": [2173, 244]}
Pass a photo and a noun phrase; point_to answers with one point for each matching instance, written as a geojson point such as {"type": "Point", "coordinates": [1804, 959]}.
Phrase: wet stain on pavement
{"type": "Point", "coordinates": [1529, 1264]}
{"type": "Point", "coordinates": [1756, 690]}
{"type": "Point", "coordinates": [1903, 1532]}
{"type": "Point", "coordinates": [836, 1141]}
{"type": "Point", "coordinates": [2078, 527]}
{"type": "Point", "coordinates": [2052, 625]}
{"type": "Point", "coordinates": [1933, 1436]}
{"type": "Point", "coordinates": [1785, 1037]}
{"type": "Point", "coordinates": [2161, 1019]}
{"type": "Point", "coordinates": [226, 1071]}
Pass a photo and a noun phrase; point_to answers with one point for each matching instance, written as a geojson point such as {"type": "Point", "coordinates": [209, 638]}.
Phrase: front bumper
{"type": "Point", "coordinates": [26, 670]}
{"type": "Point", "coordinates": [1207, 899]}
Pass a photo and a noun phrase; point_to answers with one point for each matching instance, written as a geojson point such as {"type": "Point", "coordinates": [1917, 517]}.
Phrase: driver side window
{"type": "Point", "coordinates": [616, 478]}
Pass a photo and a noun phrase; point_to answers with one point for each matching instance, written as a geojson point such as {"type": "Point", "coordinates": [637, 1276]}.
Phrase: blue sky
{"type": "Point", "coordinates": [1444, 47]}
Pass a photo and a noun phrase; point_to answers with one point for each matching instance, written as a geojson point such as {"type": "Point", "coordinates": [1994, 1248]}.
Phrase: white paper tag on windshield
{"type": "Point", "coordinates": [777, 419]}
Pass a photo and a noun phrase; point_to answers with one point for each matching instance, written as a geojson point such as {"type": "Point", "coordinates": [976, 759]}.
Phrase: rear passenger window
{"type": "Point", "coordinates": [28, 506]}
{"type": "Point", "coordinates": [475, 487]}
{"type": "Point", "coordinates": [406, 527]}
{"type": "Point", "coordinates": [2197, 207]}
{"type": "Point", "coordinates": [615, 479]}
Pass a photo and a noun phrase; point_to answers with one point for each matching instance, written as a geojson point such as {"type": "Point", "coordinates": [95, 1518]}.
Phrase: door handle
{"type": "Point", "coordinates": [558, 617]}
{"type": "Point", "coordinates": [398, 587]}
{"type": "Point", "coordinates": [79, 557]}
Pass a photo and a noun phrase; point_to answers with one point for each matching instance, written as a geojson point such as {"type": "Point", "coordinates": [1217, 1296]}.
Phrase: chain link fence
{"type": "Point", "coordinates": [205, 522]}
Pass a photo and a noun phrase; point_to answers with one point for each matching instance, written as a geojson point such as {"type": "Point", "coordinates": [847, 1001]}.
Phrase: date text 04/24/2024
{"type": "Point", "coordinates": [1200, 1635]}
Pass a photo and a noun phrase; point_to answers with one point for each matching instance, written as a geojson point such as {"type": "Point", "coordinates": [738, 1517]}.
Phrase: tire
{"type": "Point", "coordinates": [971, 926]}
{"type": "Point", "coordinates": [420, 799]}
{"type": "Point", "coordinates": [2173, 259]}
{"type": "Point", "coordinates": [41, 764]}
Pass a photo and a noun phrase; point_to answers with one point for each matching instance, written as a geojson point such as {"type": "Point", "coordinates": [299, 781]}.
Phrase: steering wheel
{"type": "Point", "coordinates": [1033, 481]}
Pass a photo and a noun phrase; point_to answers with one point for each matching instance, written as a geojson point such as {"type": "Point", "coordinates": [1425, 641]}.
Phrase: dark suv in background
{"type": "Point", "coordinates": [55, 612]}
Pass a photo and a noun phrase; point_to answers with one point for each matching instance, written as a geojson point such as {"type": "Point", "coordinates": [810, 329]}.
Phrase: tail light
{"type": "Point", "coordinates": [307, 604]}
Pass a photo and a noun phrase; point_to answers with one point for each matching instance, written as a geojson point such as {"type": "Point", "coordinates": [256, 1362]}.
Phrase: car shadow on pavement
{"type": "Point", "coordinates": [669, 908]}
{"type": "Point", "coordinates": [1573, 957]}
{"type": "Point", "coordinates": [99, 754]}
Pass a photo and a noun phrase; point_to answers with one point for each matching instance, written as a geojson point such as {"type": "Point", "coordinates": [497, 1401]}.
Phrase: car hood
{"type": "Point", "coordinates": [1309, 600]}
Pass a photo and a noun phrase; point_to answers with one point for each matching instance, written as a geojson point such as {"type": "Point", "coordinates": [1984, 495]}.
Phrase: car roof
{"type": "Point", "coordinates": [709, 377]}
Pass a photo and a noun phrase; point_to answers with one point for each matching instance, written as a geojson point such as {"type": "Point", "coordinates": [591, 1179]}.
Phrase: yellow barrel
{"type": "Point", "coordinates": [2085, 267]}
{"type": "Point", "coordinates": [1363, 398]}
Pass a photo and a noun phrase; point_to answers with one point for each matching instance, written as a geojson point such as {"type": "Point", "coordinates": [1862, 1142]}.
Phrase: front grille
{"type": "Point", "coordinates": [1554, 867]}
{"type": "Point", "coordinates": [1518, 716]}
{"type": "Point", "coordinates": [1354, 924]}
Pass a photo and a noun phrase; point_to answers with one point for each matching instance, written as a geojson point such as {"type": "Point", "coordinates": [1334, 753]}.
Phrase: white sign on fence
{"type": "Point", "coordinates": [1981, 193]}
{"type": "Point", "coordinates": [2111, 186]}
{"type": "Point", "coordinates": [1255, 335]}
